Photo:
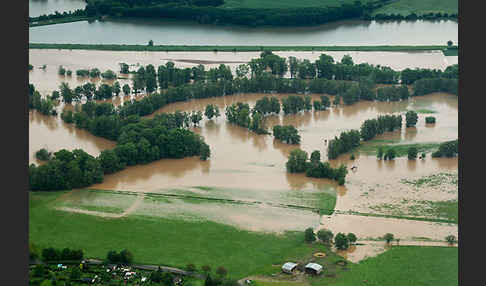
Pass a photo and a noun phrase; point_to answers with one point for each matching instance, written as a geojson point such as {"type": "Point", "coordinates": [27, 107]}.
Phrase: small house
{"type": "Point", "coordinates": [313, 268]}
{"type": "Point", "coordinates": [289, 267]}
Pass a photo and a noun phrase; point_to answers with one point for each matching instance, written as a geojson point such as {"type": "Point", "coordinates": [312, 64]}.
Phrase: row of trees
{"type": "Point", "coordinates": [447, 149]}
{"type": "Point", "coordinates": [124, 256]}
{"type": "Point", "coordinates": [58, 15]}
{"type": "Point", "coordinates": [373, 127]}
{"type": "Point", "coordinates": [239, 114]}
{"type": "Point", "coordinates": [429, 85]}
{"type": "Point", "coordinates": [346, 141]}
{"type": "Point", "coordinates": [298, 163]}
{"type": "Point", "coordinates": [412, 16]}
{"type": "Point", "coordinates": [51, 254]}
{"type": "Point", "coordinates": [287, 134]}
{"type": "Point", "coordinates": [341, 240]}
{"type": "Point", "coordinates": [392, 93]}
{"type": "Point", "coordinates": [238, 16]}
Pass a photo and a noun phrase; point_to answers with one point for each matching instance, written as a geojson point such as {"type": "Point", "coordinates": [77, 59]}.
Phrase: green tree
{"type": "Point", "coordinates": [61, 70]}
{"type": "Point", "coordinates": [126, 89]}
{"type": "Point", "coordinates": [124, 68]}
{"type": "Point", "coordinates": [347, 60]}
{"type": "Point", "coordinates": [412, 153]}
{"type": "Point", "coordinates": [191, 267]}
{"type": "Point", "coordinates": [315, 157]}
{"type": "Point", "coordinates": [449, 43]}
{"type": "Point", "coordinates": [196, 117]}
{"type": "Point", "coordinates": [309, 235]}
{"type": "Point", "coordinates": [66, 93]}
{"type": "Point", "coordinates": [116, 88]}
{"type": "Point", "coordinates": [205, 151]}
{"type": "Point", "coordinates": [411, 118]}
{"type": "Point", "coordinates": [379, 153]}
{"type": "Point", "coordinates": [211, 111]}
{"type": "Point", "coordinates": [390, 154]}
{"type": "Point", "coordinates": [352, 238]}
{"type": "Point", "coordinates": [388, 237]}
{"type": "Point", "coordinates": [150, 43]}
{"type": "Point", "coordinates": [297, 161]}
{"type": "Point", "coordinates": [341, 241]}
{"type": "Point", "coordinates": [325, 235]}
{"type": "Point", "coordinates": [451, 239]}
{"type": "Point", "coordinates": [242, 70]}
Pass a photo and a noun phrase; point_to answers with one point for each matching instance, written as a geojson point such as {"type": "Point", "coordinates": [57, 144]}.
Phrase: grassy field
{"type": "Point", "coordinates": [403, 266]}
{"type": "Point", "coordinates": [371, 147]}
{"type": "Point", "coordinates": [419, 7]}
{"type": "Point", "coordinates": [164, 241]}
{"type": "Point", "coordinates": [232, 48]}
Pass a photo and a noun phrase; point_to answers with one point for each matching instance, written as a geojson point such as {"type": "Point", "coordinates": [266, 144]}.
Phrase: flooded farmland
{"type": "Point", "coordinates": [245, 183]}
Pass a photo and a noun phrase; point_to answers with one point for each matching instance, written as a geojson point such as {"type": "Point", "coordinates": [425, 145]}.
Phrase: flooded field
{"type": "Point", "coordinates": [245, 182]}
{"type": "Point", "coordinates": [48, 80]}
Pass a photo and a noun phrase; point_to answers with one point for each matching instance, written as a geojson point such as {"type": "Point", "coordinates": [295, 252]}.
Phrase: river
{"type": "Point", "coordinates": [41, 7]}
{"type": "Point", "coordinates": [165, 32]}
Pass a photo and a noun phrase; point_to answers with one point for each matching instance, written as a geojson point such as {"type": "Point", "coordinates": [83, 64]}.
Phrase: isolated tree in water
{"type": "Point", "coordinates": [150, 43]}
{"type": "Point", "coordinates": [412, 153]}
{"type": "Point", "coordinates": [411, 118]}
{"type": "Point", "coordinates": [451, 239]}
{"type": "Point", "coordinates": [449, 43]}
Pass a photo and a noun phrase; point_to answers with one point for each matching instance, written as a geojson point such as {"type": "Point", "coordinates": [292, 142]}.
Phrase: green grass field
{"type": "Point", "coordinates": [163, 241]}
{"type": "Point", "coordinates": [403, 266]}
{"type": "Point", "coordinates": [419, 7]}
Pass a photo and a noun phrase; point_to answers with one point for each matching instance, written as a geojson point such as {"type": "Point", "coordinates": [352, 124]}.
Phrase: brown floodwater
{"type": "Point", "coordinates": [52, 133]}
{"type": "Point", "coordinates": [48, 80]}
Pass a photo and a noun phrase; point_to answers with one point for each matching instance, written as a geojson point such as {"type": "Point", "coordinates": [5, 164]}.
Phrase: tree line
{"type": "Point", "coordinates": [52, 254]}
{"type": "Point", "coordinates": [370, 128]}
{"type": "Point", "coordinates": [205, 13]}
{"type": "Point", "coordinates": [447, 149]}
{"type": "Point", "coordinates": [298, 163]}
{"type": "Point", "coordinates": [58, 15]}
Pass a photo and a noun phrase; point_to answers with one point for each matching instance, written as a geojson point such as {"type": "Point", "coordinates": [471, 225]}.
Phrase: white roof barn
{"type": "Point", "coordinates": [313, 268]}
{"type": "Point", "coordinates": [288, 267]}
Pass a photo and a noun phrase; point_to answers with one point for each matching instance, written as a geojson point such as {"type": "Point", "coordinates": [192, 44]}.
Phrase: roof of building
{"type": "Point", "coordinates": [289, 266]}
{"type": "Point", "coordinates": [315, 266]}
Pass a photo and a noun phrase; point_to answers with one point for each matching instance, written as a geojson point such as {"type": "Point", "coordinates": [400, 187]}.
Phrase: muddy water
{"type": "Point", "coordinates": [344, 33]}
{"type": "Point", "coordinates": [48, 80]}
{"type": "Point", "coordinates": [242, 159]}
{"type": "Point", "coordinates": [52, 133]}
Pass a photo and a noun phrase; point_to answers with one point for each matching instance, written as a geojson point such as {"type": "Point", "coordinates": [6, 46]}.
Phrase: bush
{"type": "Point", "coordinates": [325, 235]}
{"type": "Point", "coordinates": [411, 118]}
{"type": "Point", "coordinates": [390, 154]}
{"type": "Point", "coordinates": [61, 70]}
{"type": "Point", "coordinates": [309, 235]}
{"type": "Point", "coordinates": [388, 237]}
{"type": "Point", "coordinates": [430, 119]}
{"type": "Point", "coordinates": [341, 241]}
{"type": "Point", "coordinates": [412, 153]}
{"type": "Point", "coordinates": [451, 239]}
{"type": "Point", "coordinates": [43, 155]}
{"type": "Point", "coordinates": [69, 72]}
{"type": "Point", "coordinates": [351, 238]}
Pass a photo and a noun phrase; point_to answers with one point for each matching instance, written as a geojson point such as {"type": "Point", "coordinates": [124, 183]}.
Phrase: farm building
{"type": "Point", "coordinates": [313, 268]}
{"type": "Point", "coordinates": [288, 267]}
